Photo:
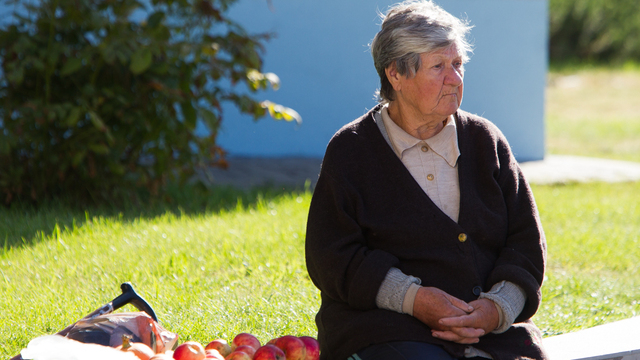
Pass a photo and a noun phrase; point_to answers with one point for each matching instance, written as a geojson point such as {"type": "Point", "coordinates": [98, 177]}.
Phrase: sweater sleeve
{"type": "Point", "coordinates": [509, 299]}
{"type": "Point", "coordinates": [522, 260]}
{"type": "Point", "coordinates": [338, 260]}
{"type": "Point", "coordinates": [393, 291]}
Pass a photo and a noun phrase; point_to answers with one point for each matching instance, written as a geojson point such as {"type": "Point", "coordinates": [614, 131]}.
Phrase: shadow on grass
{"type": "Point", "coordinates": [25, 224]}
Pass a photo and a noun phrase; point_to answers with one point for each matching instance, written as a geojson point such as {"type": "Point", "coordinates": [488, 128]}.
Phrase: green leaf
{"type": "Point", "coordinates": [279, 112]}
{"type": "Point", "coordinates": [258, 80]}
{"type": "Point", "coordinates": [72, 65]}
{"type": "Point", "coordinates": [78, 157]}
{"type": "Point", "coordinates": [37, 63]}
{"type": "Point", "coordinates": [97, 121]}
{"type": "Point", "coordinates": [16, 76]}
{"type": "Point", "coordinates": [211, 49]}
{"type": "Point", "coordinates": [108, 52]}
{"type": "Point", "coordinates": [101, 149]}
{"type": "Point", "coordinates": [160, 68]}
{"type": "Point", "coordinates": [110, 139]}
{"type": "Point", "coordinates": [122, 56]}
{"type": "Point", "coordinates": [209, 118]}
{"type": "Point", "coordinates": [273, 79]}
{"type": "Point", "coordinates": [255, 79]}
{"type": "Point", "coordinates": [155, 19]}
{"type": "Point", "coordinates": [5, 147]}
{"type": "Point", "coordinates": [141, 60]}
{"type": "Point", "coordinates": [117, 168]}
{"type": "Point", "coordinates": [74, 116]}
{"type": "Point", "coordinates": [189, 114]}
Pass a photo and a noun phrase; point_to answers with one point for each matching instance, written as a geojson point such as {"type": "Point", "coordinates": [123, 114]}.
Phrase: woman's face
{"type": "Point", "coordinates": [435, 92]}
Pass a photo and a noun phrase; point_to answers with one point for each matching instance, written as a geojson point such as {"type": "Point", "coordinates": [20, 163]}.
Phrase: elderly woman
{"type": "Point", "coordinates": [423, 236]}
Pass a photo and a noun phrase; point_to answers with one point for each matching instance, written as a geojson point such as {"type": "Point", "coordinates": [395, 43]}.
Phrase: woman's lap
{"type": "Point", "coordinates": [402, 350]}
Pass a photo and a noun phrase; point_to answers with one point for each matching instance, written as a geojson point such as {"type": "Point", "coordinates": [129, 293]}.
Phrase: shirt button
{"type": "Point", "coordinates": [477, 290]}
{"type": "Point", "coordinates": [430, 177]}
{"type": "Point", "coordinates": [424, 148]}
{"type": "Point", "coordinates": [462, 237]}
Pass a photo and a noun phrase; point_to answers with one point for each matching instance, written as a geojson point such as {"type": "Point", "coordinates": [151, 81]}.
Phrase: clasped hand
{"type": "Point", "coordinates": [453, 319]}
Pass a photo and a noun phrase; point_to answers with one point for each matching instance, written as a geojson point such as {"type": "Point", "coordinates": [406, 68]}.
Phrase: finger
{"type": "Point", "coordinates": [460, 304]}
{"type": "Point", "coordinates": [451, 336]}
{"type": "Point", "coordinates": [467, 332]}
{"type": "Point", "coordinates": [457, 321]}
{"type": "Point", "coordinates": [462, 332]}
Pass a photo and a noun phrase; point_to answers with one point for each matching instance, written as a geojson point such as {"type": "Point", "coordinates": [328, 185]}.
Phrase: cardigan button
{"type": "Point", "coordinates": [477, 290]}
{"type": "Point", "coordinates": [462, 237]}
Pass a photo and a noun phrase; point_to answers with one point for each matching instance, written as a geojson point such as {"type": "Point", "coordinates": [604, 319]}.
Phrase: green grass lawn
{"type": "Point", "coordinates": [213, 266]}
{"type": "Point", "coordinates": [593, 273]}
{"type": "Point", "coordinates": [207, 275]}
{"type": "Point", "coordinates": [216, 273]}
{"type": "Point", "coordinates": [594, 112]}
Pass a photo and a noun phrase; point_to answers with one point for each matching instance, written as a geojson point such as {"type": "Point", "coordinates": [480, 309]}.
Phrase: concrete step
{"type": "Point", "coordinates": [614, 341]}
{"type": "Point", "coordinates": [247, 172]}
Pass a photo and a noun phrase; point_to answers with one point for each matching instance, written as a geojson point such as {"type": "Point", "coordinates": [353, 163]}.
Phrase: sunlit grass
{"type": "Point", "coordinates": [593, 237]}
{"type": "Point", "coordinates": [218, 273]}
{"type": "Point", "coordinates": [592, 229]}
{"type": "Point", "coordinates": [594, 112]}
{"type": "Point", "coordinates": [207, 275]}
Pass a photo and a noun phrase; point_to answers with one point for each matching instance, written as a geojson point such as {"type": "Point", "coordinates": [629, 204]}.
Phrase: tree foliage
{"type": "Point", "coordinates": [594, 30]}
{"type": "Point", "coordinates": [104, 96]}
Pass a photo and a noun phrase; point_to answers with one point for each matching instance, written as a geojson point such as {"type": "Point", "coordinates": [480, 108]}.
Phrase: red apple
{"type": "Point", "coordinates": [313, 347]}
{"type": "Point", "coordinates": [294, 348]}
{"type": "Point", "coordinates": [246, 349]}
{"type": "Point", "coordinates": [221, 345]}
{"type": "Point", "coordinates": [190, 350]}
{"type": "Point", "coordinates": [245, 339]}
{"type": "Point", "coordinates": [269, 352]}
{"type": "Point", "coordinates": [273, 341]}
{"type": "Point", "coordinates": [213, 354]}
{"type": "Point", "coordinates": [238, 355]}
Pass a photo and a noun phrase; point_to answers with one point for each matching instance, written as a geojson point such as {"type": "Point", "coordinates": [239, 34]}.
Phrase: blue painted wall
{"type": "Point", "coordinates": [322, 57]}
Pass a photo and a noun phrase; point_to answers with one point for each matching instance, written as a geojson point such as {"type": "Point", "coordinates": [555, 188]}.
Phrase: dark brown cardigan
{"type": "Point", "coordinates": [368, 214]}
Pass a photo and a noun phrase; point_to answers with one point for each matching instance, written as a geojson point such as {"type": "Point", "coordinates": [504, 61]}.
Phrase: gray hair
{"type": "Point", "coordinates": [409, 29]}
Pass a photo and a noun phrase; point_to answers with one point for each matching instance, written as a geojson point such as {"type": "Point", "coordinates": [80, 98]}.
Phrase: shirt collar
{"type": "Point", "coordinates": [444, 144]}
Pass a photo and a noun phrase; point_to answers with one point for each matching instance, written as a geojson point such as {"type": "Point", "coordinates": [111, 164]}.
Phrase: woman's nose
{"type": "Point", "coordinates": [453, 76]}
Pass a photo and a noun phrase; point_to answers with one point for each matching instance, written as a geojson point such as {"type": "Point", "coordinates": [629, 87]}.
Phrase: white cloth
{"type": "Point", "coordinates": [56, 347]}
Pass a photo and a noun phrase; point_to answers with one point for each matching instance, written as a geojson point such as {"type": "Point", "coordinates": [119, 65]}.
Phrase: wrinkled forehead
{"type": "Point", "coordinates": [451, 52]}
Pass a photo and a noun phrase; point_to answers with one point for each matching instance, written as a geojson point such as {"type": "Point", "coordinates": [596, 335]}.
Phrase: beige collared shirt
{"type": "Point", "coordinates": [433, 162]}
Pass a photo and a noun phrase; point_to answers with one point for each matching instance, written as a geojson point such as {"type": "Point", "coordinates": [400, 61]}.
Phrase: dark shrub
{"type": "Point", "coordinates": [95, 102]}
{"type": "Point", "coordinates": [594, 30]}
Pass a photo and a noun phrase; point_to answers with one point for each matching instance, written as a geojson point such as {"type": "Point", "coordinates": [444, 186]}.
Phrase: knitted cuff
{"type": "Point", "coordinates": [510, 298]}
{"type": "Point", "coordinates": [409, 299]}
{"type": "Point", "coordinates": [393, 289]}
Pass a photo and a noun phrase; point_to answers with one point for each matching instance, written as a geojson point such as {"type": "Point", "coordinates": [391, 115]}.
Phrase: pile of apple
{"type": "Point", "coordinates": [246, 346]}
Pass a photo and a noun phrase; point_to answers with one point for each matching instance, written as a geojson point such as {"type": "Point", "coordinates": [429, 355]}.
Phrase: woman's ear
{"type": "Point", "coordinates": [393, 76]}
